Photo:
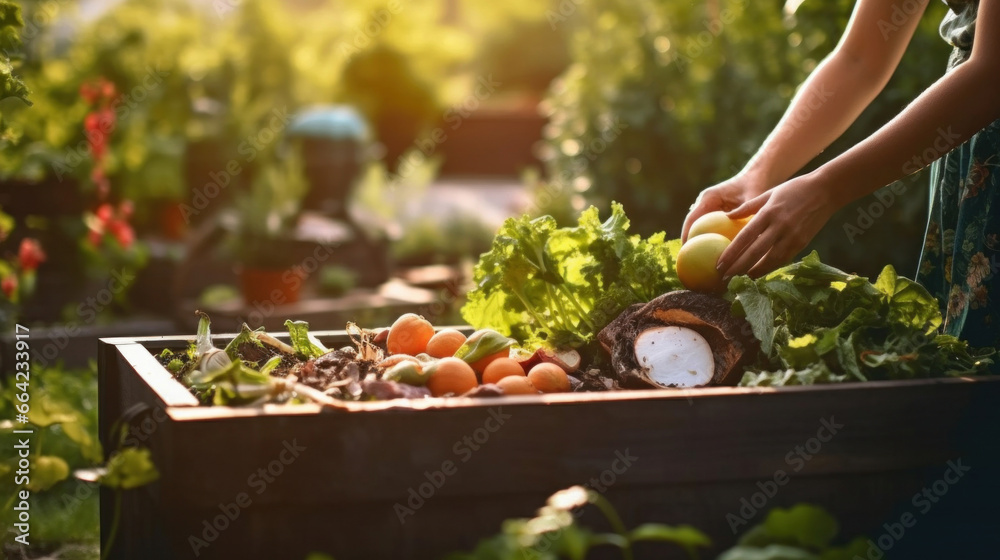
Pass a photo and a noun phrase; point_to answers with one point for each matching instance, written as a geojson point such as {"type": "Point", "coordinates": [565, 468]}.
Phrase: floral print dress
{"type": "Point", "coordinates": [961, 253]}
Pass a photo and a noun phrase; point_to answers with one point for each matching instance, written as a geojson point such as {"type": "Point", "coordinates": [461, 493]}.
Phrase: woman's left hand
{"type": "Point", "coordinates": [786, 218]}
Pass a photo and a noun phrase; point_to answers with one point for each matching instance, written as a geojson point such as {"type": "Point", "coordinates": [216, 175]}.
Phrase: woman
{"type": "Point", "coordinates": [952, 124]}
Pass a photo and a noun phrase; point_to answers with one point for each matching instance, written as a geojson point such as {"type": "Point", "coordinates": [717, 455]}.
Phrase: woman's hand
{"type": "Point", "coordinates": [787, 218]}
{"type": "Point", "coordinates": [726, 196]}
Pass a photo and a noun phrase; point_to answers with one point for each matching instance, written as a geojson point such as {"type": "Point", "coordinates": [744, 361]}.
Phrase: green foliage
{"type": "Point", "coordinates": [11, 22]}
{"type": "Point", "coordinates": [336, 280]}
{"type": "Point", "coordinates": [64, 442]}
{"type": "Point", "coordinates": [195, 71]}
{"type": "Point", "coordinates": [433, 241]}
{"type": "Point", "coordinates": [63, 417]}
{"type": "Point", "coordinates": [554, 533]}
{"type": "Point", "coordinates": [270, 207]}
{"type": "Point", "coordinates": [541, 283]}
{"type": "Point", "coordinates": [803, 532]}
{"type": "Point", "coordinates": [818, 324]}
{"type": "Point", "coordinates": [664, 99]}
{"type": "Point", "coordinates": [129, 468]}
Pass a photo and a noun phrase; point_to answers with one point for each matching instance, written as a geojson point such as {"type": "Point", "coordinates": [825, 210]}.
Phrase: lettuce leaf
{"type": "Point", "coordinates": [306, 345]}
{"type": "Point", "coordinates": [818, 324]}
{"type": "Point", "coordinates": [541, 284]}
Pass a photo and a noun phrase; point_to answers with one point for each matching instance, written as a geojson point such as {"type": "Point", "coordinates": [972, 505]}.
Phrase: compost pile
{"type": "Point", "coordinates": [411, 359]}
{"type": "Point", "coordinates": [591, 308]}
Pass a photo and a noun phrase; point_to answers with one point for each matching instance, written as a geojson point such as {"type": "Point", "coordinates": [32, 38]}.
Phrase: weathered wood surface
{"type": "Point", "coordinates": [669, 456]}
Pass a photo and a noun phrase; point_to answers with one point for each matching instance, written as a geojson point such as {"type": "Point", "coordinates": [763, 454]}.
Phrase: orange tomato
{"type": "Point", "coordinates": [500, 368]}
{"type": "Point", "coordinates": [444, 343]}
{"type": "Point", "coordinates": [409, 335]}
{"type": "Point", "coordinates": [517, 385]}
{"type": "Point", "coordinates": [451, 375]}
{"type": "Point", "coordinates": [549, 378]}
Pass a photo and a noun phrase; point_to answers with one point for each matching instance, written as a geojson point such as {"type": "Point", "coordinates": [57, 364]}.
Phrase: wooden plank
{"type": "Point", "coordinates": [141, 530]}
{"type": "Point", "coordinates": [446, 524]}
{"type": "Point", "coordinates": [148, 369]}
{"type": "Point", "coordinates": [381, 455]}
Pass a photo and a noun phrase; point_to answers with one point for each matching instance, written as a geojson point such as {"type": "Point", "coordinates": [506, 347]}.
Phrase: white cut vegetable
{"type": "Point", "coordinates": [675, 357]}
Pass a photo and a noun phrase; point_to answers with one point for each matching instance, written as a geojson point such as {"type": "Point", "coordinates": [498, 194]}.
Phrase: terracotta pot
{"type": "Point", "coordinates": [172, 221]}
{"type": "Point", "coordinates": [268, 285]}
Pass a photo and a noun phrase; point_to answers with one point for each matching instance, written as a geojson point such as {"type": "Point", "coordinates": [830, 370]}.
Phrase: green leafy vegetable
{"type": "Point", "coordinates": [236, 384]}
{"type": "Point", "coordinates": [306, 345]}
{"type": "Point", "coordinates": [560, 286]}
{"type": "Point", "coordinates": [269, 365]}
{"type": "Point", "coordinates": [481, 344]}
{"type": "Point", "coordinates": [818, 324]}
{"type": "Point", "coordinates": [247, 337]}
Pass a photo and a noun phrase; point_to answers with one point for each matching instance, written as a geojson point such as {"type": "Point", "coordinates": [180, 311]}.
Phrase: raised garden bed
{"type": "Point", "coordinates": [348, 482]}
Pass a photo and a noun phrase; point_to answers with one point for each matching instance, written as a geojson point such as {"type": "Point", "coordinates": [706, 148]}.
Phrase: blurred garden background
{"type": "Point", "coordinates": [162, 156]}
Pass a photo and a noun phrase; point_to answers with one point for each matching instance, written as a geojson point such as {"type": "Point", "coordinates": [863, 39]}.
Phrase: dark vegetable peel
{"type": "Point", "coordinates": [679, 339]}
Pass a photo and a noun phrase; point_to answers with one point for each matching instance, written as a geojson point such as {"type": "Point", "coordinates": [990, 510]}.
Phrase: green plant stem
{"type": "Point", "coordinates": [572, 299]}
{"type": "Point", "coordinates": [615, 520]}
{"type": "Point", "coordinates": [559, 305]}
{"type": "Point", "coordinates": [529, 307]}
{"type": "Point", "coordinates": [113, 533]}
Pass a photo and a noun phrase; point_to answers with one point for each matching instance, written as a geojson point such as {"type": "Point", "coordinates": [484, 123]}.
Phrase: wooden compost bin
{"type": "Point", "coordinates": [339, 478]}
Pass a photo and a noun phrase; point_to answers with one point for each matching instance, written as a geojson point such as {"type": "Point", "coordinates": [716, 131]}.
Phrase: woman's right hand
{"type": "Point", "coordinates": [725, 196]}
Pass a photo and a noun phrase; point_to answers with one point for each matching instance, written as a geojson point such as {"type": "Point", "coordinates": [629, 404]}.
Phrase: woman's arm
{"type": "Point", "coordinates": [826, 104]}
{"type": "Point", "coordinates": [948, 113]}
{"type": "Point", "coordinates": [838, 90]}
{"type": "Point", "coordinates": [945, 115]}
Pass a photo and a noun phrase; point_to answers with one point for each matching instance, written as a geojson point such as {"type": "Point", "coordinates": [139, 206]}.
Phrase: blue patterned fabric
{"type": "Point", "coordinates": [961, 249]}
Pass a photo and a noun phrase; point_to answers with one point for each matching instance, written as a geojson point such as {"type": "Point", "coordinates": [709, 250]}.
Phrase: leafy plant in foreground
{"type": "Point", "coordinates": [818, 324]}
{"type": "Point", "coordinates": [554, 533]}
{"type": "Point", "coordinates": [802, 532]}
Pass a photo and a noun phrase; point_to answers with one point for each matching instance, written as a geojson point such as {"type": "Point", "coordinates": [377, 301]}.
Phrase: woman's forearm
{"type": "Point", "coordinates": [826, 104]}
{"type": "Point", "coordinates": [838, 90]}
{"type": "Point", "coordinates": [943, 117]}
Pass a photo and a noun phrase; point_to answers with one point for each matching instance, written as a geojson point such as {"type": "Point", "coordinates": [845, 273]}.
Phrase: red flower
{"type": "Point", "coordinates": [92, 123]}
{"type": "Point", "coordinates": [30, 254]}
{"type": "Point", "coordinates": [88, 93]}
{"type": "Point", "coordinates": [104, 213]}
{"type": "Point", "coordinates": [122, 232]}
{"type": "Point", "coordinates": [106, 118]}
{"type": "Point", "coordinates": [99, 90]}
{"type": "Point", "coordinates": [107, 90]}
{"type": "Point", "coordinates": [9, 286]}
